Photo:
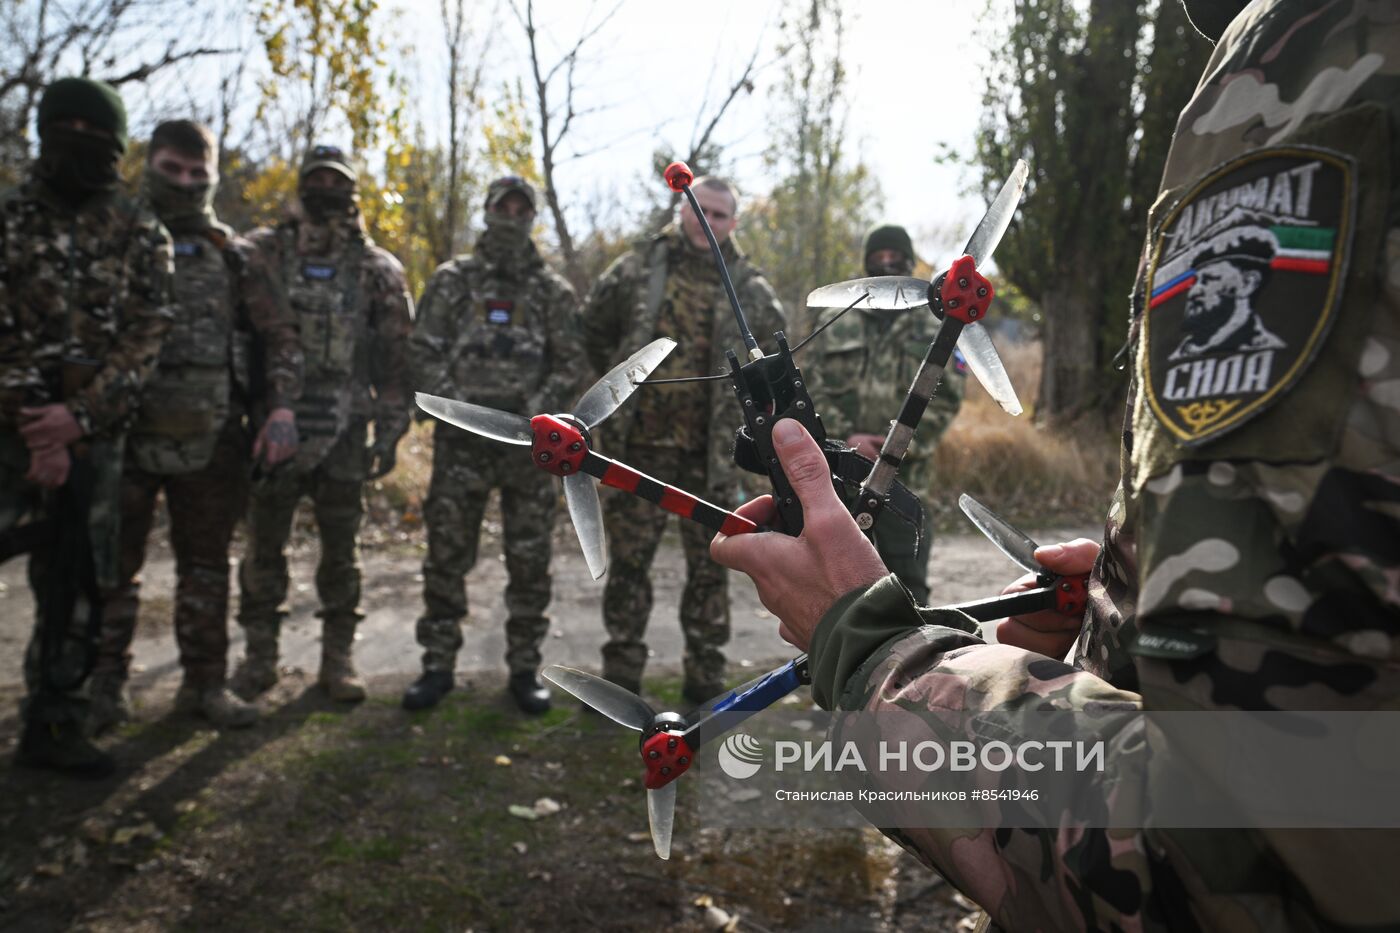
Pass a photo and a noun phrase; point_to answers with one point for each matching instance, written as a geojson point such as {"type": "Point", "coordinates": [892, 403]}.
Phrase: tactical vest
{"type": "Point", "coordinates": [324, 291]}
{"type": "Point", "coordinates": [498, 357]}
{"type": "Point", "coordinates": [189, 397]}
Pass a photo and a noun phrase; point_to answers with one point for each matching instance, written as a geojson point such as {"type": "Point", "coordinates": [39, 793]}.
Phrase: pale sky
{"type": "Point", "coordinates": [649, 75]}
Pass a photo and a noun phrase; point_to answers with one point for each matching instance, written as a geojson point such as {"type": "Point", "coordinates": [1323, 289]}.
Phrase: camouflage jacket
{"type": "Point", "coordinates": [355, 314]}
{"type": "Point", "coordinates": [621, 316]}
{"type": "Point", "coordinates": [230, 307]}
{"type": "Point", "coordinates": [497, 340]}
{"type": "Point", "coordinates": [1250, 556]}
{"type": "Point", "coordinates": [91, 288]}
{"type": "Point", "coordinates": [861, 374]}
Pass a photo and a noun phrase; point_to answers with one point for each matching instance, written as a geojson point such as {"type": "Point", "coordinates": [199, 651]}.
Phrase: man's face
{"type": "Point", "coordinates": [182, 169]}
{"type": "Point", "coordinates": [1212, 299]}
{"type": "Point", "coordinates": [514, 206]}
{"type": "Point", "coordinates": [720, 211]}
{"type": "Point", "coordinates": [1215, 287]}
{"type": "Point", "coordinates": [326, 179]}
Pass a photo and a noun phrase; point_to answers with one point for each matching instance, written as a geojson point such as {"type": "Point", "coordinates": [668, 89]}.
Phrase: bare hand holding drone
{"type": "Point", "coordinates": [1049, 632]}
{"type": "Point", "coordinates": [798, 579]}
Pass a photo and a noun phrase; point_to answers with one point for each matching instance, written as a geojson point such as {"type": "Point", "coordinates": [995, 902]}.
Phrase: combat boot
{"type": "Point", "coordinates": [428, 690]}
{"type": "Point", "coordinates": [338, 677]}
{"type": "Point", "coordinates": [61, 746]}
{"type": "Point", "coordinates": [697, 693]}
{"type": "Point", "coordinates": [257, 672]}
{"type": "Point", "coordinates": [216, 704]}
{"type": "Point", "coordinates": [529, 693]}
{"type": "Point", "coordinates": [109, 703]}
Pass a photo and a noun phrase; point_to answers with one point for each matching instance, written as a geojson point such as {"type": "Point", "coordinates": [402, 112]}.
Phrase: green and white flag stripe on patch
{"type": "Point", "coordinates": [1304, 249]}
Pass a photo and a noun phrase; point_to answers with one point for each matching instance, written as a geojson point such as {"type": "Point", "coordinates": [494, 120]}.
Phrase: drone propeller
{"type": "Point", "coordinates": [902, 292]}
{"type": "Point", "coordinates": [1065, 594]}
{"type": "Point", "coordinates": [500, 426]}
{"type": "Point", "coordinates": [661, 817]}
{"type": "Point", "coordinates": [1010, 540]}
{"type": "Point", "coordinates": [619, 704]}
{"type": "Point", "coordinates": [602, 399]}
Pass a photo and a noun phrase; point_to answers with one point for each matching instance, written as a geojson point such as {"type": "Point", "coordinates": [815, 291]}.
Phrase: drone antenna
{"type": "Point", "coordinates": [678, 177]}
{"type": "Point", "coordinates": [828, 322]}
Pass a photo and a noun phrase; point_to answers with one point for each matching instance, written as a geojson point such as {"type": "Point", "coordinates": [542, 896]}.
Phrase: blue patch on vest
{"type": "Point", "coordinates": [188, 248]}
{"type": "Point", "coordinates": [498, 312]}
{"type": "Point", "coordinates": [317, 272]}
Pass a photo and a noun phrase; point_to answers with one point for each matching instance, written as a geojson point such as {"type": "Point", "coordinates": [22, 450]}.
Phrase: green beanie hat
{"type": "Point", "coordinates": [94, 102]}
{"type": "Point", "coordinates": [889, 237]}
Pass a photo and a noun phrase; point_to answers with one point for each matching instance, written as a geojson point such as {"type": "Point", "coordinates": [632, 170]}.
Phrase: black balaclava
{"type": "Point", "coordinates": [182, 208]}
{"type": "Point", "coordinates": [889, 237]}
{"type": "Point", "coordinates": [77, 164]}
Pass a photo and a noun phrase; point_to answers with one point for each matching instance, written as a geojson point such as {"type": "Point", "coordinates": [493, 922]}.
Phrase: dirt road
{"type": "Point", "coordinates": [964, 567]}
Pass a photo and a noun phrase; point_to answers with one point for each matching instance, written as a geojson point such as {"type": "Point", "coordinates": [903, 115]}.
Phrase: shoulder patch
{"type": "Point", "coordinates": [1244, 284]}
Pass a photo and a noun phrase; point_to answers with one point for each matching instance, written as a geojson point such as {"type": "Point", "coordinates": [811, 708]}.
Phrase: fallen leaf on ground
{"type": "Point", "coordinates": [503, 761]}
{"type": "Point", "coordinates": [128, 834]}
{"type": "Point", "coordinates": [524, 813]}
{"type": "Point", "coordinates": [520, 847]}
{"type": "Point", "coordinates": [547, 806]}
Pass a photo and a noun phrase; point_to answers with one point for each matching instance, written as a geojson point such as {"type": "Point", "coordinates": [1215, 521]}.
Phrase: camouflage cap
{"type": "Point", "coordinates": [507, 184]}
{"type": "Point", "coordinates": [331, 157]}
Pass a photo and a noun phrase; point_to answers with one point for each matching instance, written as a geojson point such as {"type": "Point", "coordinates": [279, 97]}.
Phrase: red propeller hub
{"type": "Point", "coordinates": [667, 757]}
{"type": "Point", "coordinates": [559, 447]}
{"type": "Point", "coordinates": [678, 176]}
{"type": "Point", "coordinates": [966, 293]}
{"type": "Point", "coordinates": [1071, 594]}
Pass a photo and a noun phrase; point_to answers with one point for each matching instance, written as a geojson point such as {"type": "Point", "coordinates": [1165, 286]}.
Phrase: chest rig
{"type": "Point", "coordinates": [498, 358]}
{"type": "Point", "coordinates": [324, 292]}
{"type": "Point", "coordinates": [191, 394]}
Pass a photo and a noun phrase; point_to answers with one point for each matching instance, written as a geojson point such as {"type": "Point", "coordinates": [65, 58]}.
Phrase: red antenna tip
{"type": "Point", "coordinates": [678, 176]}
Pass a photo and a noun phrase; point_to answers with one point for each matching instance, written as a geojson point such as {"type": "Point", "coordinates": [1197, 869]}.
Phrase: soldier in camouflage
{"type": "Point", "coordinates": [681, 433]}
{"type": "Point", "coordinates": [188, 438]}
{"type": "Point", "coordinates": [496, 328]}
{"type": "Point", "coordinates": [85, 300]}
{"type": "Point", "coordinates": [1249, 558]}
{"type": "Point", "coordinates": [352, 305]}
{"type": "Point", "coordinates": [868, 360]}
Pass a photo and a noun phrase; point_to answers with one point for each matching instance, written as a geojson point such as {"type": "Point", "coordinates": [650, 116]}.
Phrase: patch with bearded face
{"type": "Point", "coordinates": [1245, 279]}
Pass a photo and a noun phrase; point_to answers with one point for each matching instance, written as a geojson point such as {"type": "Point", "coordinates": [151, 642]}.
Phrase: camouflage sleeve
{"type": "Point", "coordinates": [263, 303]}
{"type": "Point", "coordinates": [390, 323]}
{"type": "Point", "coordinates": [146, 313]}
{"type": "Point", "coordinates": [563, 364]}
{"type": "Point", "coordinates": [608, 311]}
{"type": "Point", "coordinates": [876, 651]}
{"type": "Point", "coordinates": [434, 331]}
{"type": "Point", "coordinates": [762, 308]}
{"type": "Point", "coordinates": [832, 375]}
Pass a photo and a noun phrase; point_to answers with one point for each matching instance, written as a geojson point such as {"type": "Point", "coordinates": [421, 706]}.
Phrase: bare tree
{"type": "Point", "coordinates": [555, 123]}
{"type": "Point", "coordinates": [463, 84]}
{"type": "Point", "coordinates": [121, 41]}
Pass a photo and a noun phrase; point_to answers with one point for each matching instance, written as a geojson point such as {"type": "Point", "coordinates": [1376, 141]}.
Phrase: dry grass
{"type": "Point", "coordinates": [1030, 473]}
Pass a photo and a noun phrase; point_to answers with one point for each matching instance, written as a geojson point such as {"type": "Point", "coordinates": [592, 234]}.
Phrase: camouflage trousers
{"type": "Point", "coordinates": [204, 507]}
{"type": "Point", "coordinates": [465, 470]}
{"type": "Point", "coordinates": [894, 540]}
{"type": "Point", "coordinates": [56, 663]}
{"type": "Point", "coordinates": [335, 489]}
{"type": "Point", "coordinates": [634, 529]}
